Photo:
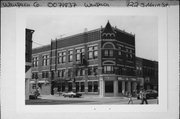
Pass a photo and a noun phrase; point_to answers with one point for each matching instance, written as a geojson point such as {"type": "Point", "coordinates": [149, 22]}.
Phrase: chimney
{"type": "Point", "coordinates": [85, 30]}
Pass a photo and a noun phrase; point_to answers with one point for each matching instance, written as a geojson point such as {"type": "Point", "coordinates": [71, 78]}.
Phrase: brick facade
{"type": "Point", "coordinates": [101, 62]}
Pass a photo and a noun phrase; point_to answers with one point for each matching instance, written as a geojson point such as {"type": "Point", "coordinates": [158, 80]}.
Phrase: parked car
{"type": "Point", "coordinates": [71, 94]}
{"type": "Point", "coordinates": [34, 95]}
{"type": "Point", "coordinates": [149, 94]}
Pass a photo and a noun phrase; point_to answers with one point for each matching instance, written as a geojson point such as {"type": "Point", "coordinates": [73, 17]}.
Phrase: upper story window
{"type": "Point", "coordinates": [61, 73]}
{"type": "Point", "coordinates": [45, 60]}
{"type": "Point", "coordinates": [78, 54]}
{"type": "Point", "coordinates": [61, 57]}
{"type": "Point", "coordinates": [95, 53]}
{"type": "Point", "coordinates": [45, 74]}
{"type": "Point", "coordinates": [119, 53]}
{"type": "Point", "coordinates": [108, 69]}
{"type": "Point", "coordinates": [109, 49]}
{"type": "Point", "coordinates": [70, 55]}
{"type": "Point", "coordinates": [34, 75]}
{"type": "Point", "coordinates": [35, 61]}
{"type": "Point", "coordinates": [109, 53]}
{"type": "Point", "coordinates": [119, 50]}
{"type": "Point", "coordinates": [92, 52]}
{"type": "Point", "coordinates": [106, 53]}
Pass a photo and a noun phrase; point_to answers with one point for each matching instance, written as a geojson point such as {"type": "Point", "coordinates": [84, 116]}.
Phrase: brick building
{"type": "Point", "coordinates": [147, 73]}
{"type": "Point", "coordinates": [28, 57]}
{"type": "Point", "coordinates": [100, 62]}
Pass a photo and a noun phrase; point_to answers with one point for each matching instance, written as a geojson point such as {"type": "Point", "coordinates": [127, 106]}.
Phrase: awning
{"type": "Point", "coordinates": [32, 81]}
{"type": "Point", "coordinates": [43, 81]}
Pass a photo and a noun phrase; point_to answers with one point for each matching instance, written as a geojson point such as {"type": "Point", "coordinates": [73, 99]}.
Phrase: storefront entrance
{"type": "Point", "coordinates": [109, 88]}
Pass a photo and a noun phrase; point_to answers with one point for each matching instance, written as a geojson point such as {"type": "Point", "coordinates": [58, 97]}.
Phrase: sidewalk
{"type": "Point", "coordinates": [57, 97]}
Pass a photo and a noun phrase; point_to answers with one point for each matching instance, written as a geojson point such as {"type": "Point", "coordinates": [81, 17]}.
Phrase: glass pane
{"type": "Point", "coordinates": [109, 86]}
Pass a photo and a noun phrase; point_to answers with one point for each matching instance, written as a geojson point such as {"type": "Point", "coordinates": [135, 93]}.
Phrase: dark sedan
{"type": "Point", "coordinates": [151, 94]}
{"type": "Point", "coordinates": [72, 94]}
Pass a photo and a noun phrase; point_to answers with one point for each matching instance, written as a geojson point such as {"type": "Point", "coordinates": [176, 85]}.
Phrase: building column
{"type": "Point", "coordinates": [86, 86]}
{"type": "Point", "coordinates": [129, 86]}
{"type": "Point", "coordinates": [115, 87]}
{"type": "Point", "coordinates": [66, 86]}
{"type": "Point", "coordinates": [123, 87]}
{"type": "Point", "coordinates": [27, 85]}
{"type": "Point", "coordinates": [134, 85]}
{"type": "Point", "coordinates": [101, 87]}
{"type": "Point", "coordinates": [73, 86]}
{"type": "Point", "coordinates": [86, 81]}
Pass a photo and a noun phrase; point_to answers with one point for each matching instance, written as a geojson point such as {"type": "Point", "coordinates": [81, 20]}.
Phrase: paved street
{"type": "Point", "coordinates": [84, 100]}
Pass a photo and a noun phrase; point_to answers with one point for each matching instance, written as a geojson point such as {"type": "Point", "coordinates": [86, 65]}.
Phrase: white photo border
{"type": "Point", "coordinates": [22, 14]}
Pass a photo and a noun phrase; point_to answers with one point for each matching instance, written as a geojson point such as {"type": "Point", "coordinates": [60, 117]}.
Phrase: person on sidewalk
{"type": "Point", "coordinates": [144, 98]}
{"type": "Point", "coordinates": [130, 98]}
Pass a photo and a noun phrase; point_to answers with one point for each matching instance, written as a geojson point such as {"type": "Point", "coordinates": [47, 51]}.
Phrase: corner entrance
{"type": "Point", "coordinates": [109, 88]}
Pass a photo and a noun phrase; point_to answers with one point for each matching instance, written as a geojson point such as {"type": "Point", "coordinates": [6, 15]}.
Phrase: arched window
{"type": "Point", "coordinates": [109, 45]}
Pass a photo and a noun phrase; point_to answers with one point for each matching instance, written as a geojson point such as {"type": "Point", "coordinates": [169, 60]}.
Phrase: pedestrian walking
{"type": "Point", "coordinates": [144, 98]}
{"type": "Point", "coordinates": [130, 98]}
{"type": "Point", "coordinates": [123, 92]}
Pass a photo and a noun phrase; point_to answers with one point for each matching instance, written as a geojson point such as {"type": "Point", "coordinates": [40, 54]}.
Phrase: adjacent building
{"type": "Point", "coordinates": [28, 57]}
{"type": "Point", "coordinates": [99, 62]}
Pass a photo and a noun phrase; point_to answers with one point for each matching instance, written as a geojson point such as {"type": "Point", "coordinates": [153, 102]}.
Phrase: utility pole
{"type": "Point", "coordinates": [51, 72]}
{"type": "Point", "coordinates": [85, 61]}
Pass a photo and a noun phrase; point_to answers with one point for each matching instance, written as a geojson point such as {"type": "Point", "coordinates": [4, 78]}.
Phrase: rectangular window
{"type": "Point", "coordinates": [63, 73]}
{"type": "Point", "coordinates": [92, 52]}
{"type": "Point", "coordinates": [34, 86]}
{"type": "Point", "coordinates": [90, 87]}
{"type": "Point", "coordinates": [35, 75]}
{"type": "Point", "coordinates": [95, 86]}
{"type": "Point", "coordinates": [108, 69]}
{"type": "Point", "coordinates": [110, 52]}
{"type": "Point", "coordinates": [35, 61]}
{"type": "Point", "coordinates": [130, 55]}
{"type": "Point", "coordinates": [69, 72]}
{"type": "Point", "coordinates": [45, 60]}
{"type": "Point", "coordinates": [82, 86]}
{"type": "Point", "coordinates": [109, 87]}
{"type": "Point", "coordinates": [119, 52]}
{"type": "Point", "coordinates": [61, 57]}
{"type": "Point", "coordinates": [83, 72]}
{"type": "Point", "coordinates": [90, 55]}
{"type": "Point", "coordinates": [59, 73]}
{"type": "Point", "coordinates": [78, 54]}
{"type": "Point", "coordinates": [45, 74]}
{"type": "Point", "coordinates": [78, 73]}
{"type": "Point", "coordinates": [106, 53]}
{"type": "Point", "coordinates": [70, 56]}
{"type": "Point", "coordinates": [69, 86]}
{"type": "Point", "coordinates": [89, 70]}
{"type": "Point", "coordinates": [95, 54]}
{"type": "Point", "coordinates": [77, 86]}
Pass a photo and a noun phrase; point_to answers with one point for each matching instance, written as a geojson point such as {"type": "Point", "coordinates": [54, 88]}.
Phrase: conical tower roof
{"type": "Point", "coordinates": [108, 28]}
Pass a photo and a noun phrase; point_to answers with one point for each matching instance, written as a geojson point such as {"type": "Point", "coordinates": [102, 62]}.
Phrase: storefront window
{"type": "Point", "coordinates": [89, 86]}
{"type": "Point", "coordinates": [119, 86]}
{"type": "Point", "coordinates": [109, 86]}
{"type": "Point", "coordinates": [70, 86]}
{"type": "Point", "coordinates": [82, 86]}
{"type": "Point", "coordinates": [95, 86]}
{"type": "Point", "coordinates": [77, 86]}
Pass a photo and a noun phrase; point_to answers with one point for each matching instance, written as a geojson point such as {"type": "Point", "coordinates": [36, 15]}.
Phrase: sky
{"type": "Point", "coordinates": [145, 29]}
